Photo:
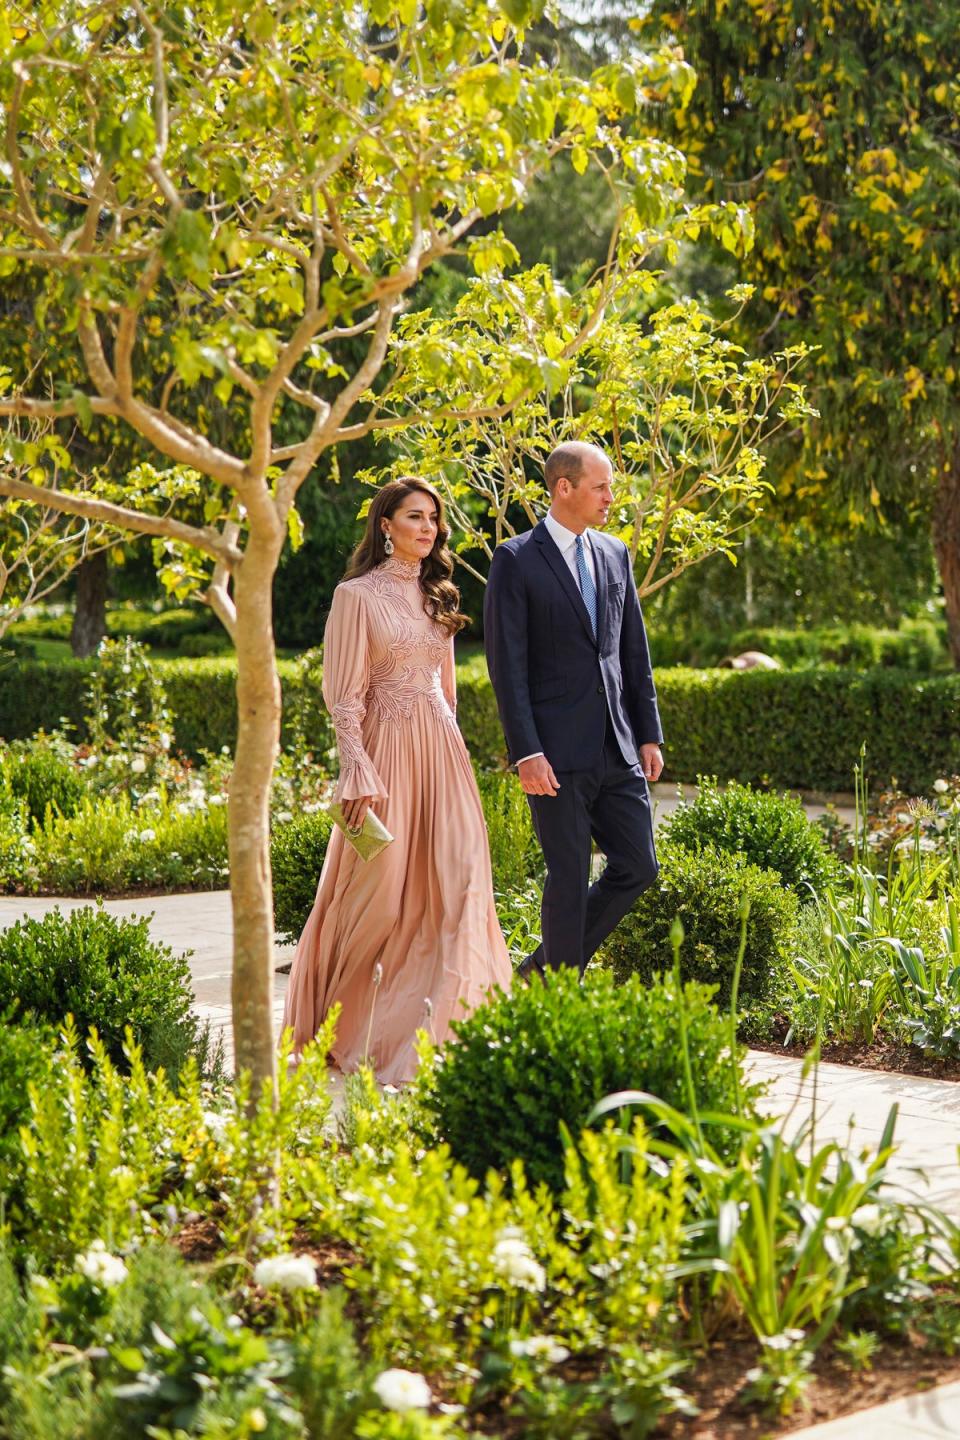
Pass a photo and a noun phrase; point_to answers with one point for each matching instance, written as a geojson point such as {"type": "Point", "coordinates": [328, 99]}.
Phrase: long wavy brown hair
{"type": "Point", "coordinates": [441, 598]}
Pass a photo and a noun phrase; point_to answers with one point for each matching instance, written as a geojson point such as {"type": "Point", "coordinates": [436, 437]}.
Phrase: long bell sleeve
{"type": "Point", "coordinates": [448, 678]}
{"type": "Point", "coordinates": [346, 678]}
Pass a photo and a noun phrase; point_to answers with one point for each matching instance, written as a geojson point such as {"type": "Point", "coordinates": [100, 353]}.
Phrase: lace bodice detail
{"type": "Point", "coordinates": [385, 657]}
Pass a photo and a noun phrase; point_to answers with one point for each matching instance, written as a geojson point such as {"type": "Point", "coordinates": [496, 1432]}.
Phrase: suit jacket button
{"type": "Point", "coordinates": [599, 689]}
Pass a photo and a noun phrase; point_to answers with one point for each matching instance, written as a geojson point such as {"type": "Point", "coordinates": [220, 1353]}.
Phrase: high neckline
{"type": "Point", "coordinates": [403, 569]}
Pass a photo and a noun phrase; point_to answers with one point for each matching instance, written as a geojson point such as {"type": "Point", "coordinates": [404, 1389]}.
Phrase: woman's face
{"type": "Point", "coordinates": [413, 527]}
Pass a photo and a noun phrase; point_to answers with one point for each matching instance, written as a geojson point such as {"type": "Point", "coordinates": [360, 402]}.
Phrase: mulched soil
{"type": "Point", "coordinates": [716, 1386]}
{"type": "Point", "coordinates": [898, 1059]}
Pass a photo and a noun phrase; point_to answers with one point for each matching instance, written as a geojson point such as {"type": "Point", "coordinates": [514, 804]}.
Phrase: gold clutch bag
{"type": "Point", "coordinates": [372, 836]}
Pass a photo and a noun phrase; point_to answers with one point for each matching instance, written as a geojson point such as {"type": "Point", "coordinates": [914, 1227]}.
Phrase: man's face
{"type": "Point", "coordinates": [590, 501]}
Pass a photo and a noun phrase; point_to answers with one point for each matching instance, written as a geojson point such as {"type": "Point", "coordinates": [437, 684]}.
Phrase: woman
{"type": "Point", "coordinates": [408, 940]}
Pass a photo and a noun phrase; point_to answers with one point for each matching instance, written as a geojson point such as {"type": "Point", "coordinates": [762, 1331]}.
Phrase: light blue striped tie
{"type": "Point", "coordinates": [587, 588]}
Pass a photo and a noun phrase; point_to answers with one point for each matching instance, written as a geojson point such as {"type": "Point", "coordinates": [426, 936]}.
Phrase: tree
{"type": "Point", "coordinates": [839, 126]}
{"type": "Point", "coordinates": [39, 545]}
{"type": "Point", "coordinates": [233, 195]}
{"type": "Point", "coordinates": [684, 413]}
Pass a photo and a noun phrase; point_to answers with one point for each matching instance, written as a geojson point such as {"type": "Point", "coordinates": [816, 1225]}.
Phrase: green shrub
{"type": "Point", "coordinates": [804, 728]}
{"type": "Point", "coordinates": [477, 714]}
{"type": "Point", "coordinates": [126, 701]}
{"type": "Point", "coordinates": [771, 831]}
{"type": "Point", "coordinates": [918, 645]}
{"type": "Point", "coordinates": [515, 853]}
{"type": "Point", "coordinates": [13, 836]}
{"type": "Point", "coordinates": [548, 1052]}
{"type": "Point", "coordinates": [110, 847]}
{"type": "Point", "coordinates": [26, 1058]}
{"type": "Point", "coordinates": [791, 729]}
{"type": "Point", "coordinates": [42, 772]}
{"type": "Point", "coordinates": [329, 1375]}
{"type": "Point", "coordinates": [704, 889]}
{"type": "Point", "coordinates": [107, 973]}
{"type": "Point", "coordinates": [297, 852]}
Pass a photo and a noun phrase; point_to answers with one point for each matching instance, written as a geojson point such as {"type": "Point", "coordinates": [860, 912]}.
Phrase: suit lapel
{"type": "Point", "coordinates": [562, 572]}
{"type": "Point", "coordinates": [603, 578]}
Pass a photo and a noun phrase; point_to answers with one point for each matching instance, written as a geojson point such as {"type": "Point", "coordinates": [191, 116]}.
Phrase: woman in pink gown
{"type": "Point", "coordinates": [408, 940]}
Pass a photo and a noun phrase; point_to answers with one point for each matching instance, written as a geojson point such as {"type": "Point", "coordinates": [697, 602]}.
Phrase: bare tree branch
{"type": "Point", "coordinates": [205, 538]}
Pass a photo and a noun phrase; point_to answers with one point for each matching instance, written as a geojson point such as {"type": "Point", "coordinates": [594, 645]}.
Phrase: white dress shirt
{"type": "Point", "coordinates": [566, 542]}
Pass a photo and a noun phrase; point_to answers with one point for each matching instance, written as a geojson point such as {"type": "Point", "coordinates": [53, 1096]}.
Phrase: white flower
{"type": "Point", "coordinates": [218, 800]}
{"type": "Point", "coordinates": [513, 1259]}
{"type": "Point", "coordinates": [904, 817]}
{"type": "Point", "coordinates": [215, 1124]}
{"type": "Point", "coordinates": [540, 1347]}
{"type": "Point", "coordinates": [286, 1272]}
{"type": "Point", "coordinates": [402, 1390]}
{"type": "Point", "coordinates": [926, 844]}
{"type": "Point", "coordinates": [164, 739]}
{"type": "Point", "coordinates": [138, 764]}
{"type": "Point", "coordinates": [283, 817]}
{"type": "Point", "coordinates": [941, 786]}
{"type": "Point", "coordinates": [147, 835]}
{"type": "Point", "coordinates": [872, 1219]}
{"type": "Point", "coordinates": [101, 1267]}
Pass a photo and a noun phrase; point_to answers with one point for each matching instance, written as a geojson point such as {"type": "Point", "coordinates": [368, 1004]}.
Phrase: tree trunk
{"type": "Point", "coordinates": [90, 612]}
{"type": "Point", "coordinates": [258, 740]}
{"type": "Point", "coordinates": [946, 545]}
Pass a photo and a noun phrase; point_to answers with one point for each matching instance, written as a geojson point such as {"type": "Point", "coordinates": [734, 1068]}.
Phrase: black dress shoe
{"type": "Point", "coordinates": [529, 968]}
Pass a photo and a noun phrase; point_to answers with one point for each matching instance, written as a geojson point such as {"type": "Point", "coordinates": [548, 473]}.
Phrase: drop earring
{"type": "Point", "coordinates": [388, 545]}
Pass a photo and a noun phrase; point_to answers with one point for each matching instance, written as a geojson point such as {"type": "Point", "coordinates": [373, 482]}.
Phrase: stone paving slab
{"type": "Point", "coordinates": [934, 1415]}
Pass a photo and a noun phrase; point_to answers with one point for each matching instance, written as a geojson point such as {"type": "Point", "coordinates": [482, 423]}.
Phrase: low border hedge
{"type": "Point", "coordinates": [800, 728]}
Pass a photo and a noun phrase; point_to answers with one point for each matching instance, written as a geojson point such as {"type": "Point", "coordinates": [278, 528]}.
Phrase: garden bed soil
{"type": "Point", "coordinates": [899, 1368]}
{"type": "Point", "coordinates": [883, 1055]}
{"type": "Point", "coordinates": [716, 1384]}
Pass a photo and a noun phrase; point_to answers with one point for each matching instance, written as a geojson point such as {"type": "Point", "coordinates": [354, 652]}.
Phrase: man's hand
{"type": "Point", "coordinates": [651, 761]}
{"type": "Point", "coordinates": [354, 811]}
{"type": "Point", "coordinates": [537, 777]}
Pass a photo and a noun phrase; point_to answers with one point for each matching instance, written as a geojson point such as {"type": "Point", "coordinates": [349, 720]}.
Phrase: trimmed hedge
{"type": "Point", "coordinates": [804, 728]}
{"type": "Point", "coordinates": [794, 728]}
{"type": "Point", "coordinates": [919, 645]}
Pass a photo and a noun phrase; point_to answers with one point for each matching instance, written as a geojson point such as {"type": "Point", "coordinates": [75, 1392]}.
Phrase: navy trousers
{"type": "Point", "coordinates": [608, 803]}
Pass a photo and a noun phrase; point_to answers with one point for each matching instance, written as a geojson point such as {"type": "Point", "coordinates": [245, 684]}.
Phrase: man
{"type": "Point", "coordinates": [570, 666]}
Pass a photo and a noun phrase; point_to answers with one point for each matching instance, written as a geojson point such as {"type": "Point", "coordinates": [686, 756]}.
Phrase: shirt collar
{"type": "Point", "coordinates": [563, 538]}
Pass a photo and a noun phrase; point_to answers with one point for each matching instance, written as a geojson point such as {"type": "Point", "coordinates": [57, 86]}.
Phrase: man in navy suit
{"type": "Point", "coordinates": [568, 658]}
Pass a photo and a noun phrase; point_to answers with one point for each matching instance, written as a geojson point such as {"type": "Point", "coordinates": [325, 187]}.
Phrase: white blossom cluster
{"type": "Point", "coordinates": [514, 1261]}
{"type": "Point", "coordinates": [286, 1272]}
{"type": "Point", "coordinates": [402, 1390]}
{"type": "Point", "coordinates": [100, 1267]}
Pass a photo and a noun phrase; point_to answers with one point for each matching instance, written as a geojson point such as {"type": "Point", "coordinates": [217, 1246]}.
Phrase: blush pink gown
{"type": "Point", "coordinates": [422, 910]}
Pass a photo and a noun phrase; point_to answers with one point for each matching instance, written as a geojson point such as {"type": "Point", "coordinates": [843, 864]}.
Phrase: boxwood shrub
{"type": "Point", "coordinates": [106, 972]}
{"type": "Point", "coordinates": [704, 889]}
{"type": "Point", "coordinates": [548, 1052]}
{"type": "Point", "coordinates": [297, 853]}
{"type": "Point", "coordinates": [770, 830]}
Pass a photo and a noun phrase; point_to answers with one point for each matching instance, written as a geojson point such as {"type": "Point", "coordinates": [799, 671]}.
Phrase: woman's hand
{"type": "Point", "coordinates": [354, 811]}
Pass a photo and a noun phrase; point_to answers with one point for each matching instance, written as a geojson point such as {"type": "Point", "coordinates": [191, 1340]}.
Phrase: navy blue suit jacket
{"type": "Point", "coordinates": [555, 684]}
